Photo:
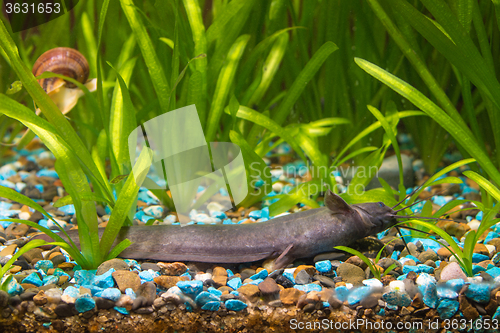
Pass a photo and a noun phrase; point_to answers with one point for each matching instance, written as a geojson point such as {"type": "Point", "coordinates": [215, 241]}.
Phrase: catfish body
{"type": "Point", "coordinates": [288, 237]}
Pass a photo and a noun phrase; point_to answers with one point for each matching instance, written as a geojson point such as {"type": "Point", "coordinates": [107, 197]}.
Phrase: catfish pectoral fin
{"type": "Point", "coordinates": [283, 260]}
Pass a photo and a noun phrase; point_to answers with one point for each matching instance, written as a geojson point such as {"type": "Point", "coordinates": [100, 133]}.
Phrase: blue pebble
{"type": "Point", "coordinates": [477, 269]}
{"type": "Point", "coordinates": [412, 258]}
{"type": "Point", "coordinates": [256, 282]}
{"type": "Point", "coordinates": [211, 306]}
{"type": "Point", "coordinates": [214, 291]}
{"type": "Point", "coordinates": [323, 266]}
{"type": "Point", "coordinates": [342, 293]}
{"type": "Point", "coordinates": [44, 265]}
{"type": "Point", "coordinates": [256, 214]}
{"type": "Point", "coordinates": [121, 310]}
{"type": "Point", "coordinates": [490, 236]}
{"type": "Point", "coordinates": [84, 277]}
{"type": "Point", "coordinates": [235, 293]}
{"type": "Point", "coordinates": [111, 293]}
{"type": "Point", "coordinates": [227, 221]}
{"type": "Point", "coordinates": [308, 287]}
{"type": "Point", "coordinates": [494, 272]}
{"type": "Point", "coordinates": [71, 291]}
{"type": "Point", "coordinates": [408, 268]}
{"type": "Point", "coordinates": [50, 279]}
{"type": "Point", "coordinates": [84, 303]}
{"type": "Point", "coordinates": [447, 308]}
{"type": "Point", "coordinates": [235, 305]}
{"type": "Point", "coordinates": [477, 257]}
{"type": "Point", "coordinates": [47, 325]}
{"type": "Point", "coordinates": [356, 295]}
{"type": "Point", "coordinates": [229, 272]}
{"type": "Point", "coordinates": [395, 255]}
{"type": "Point", "coordinates": [39, 187]}
{"type": "Point", "coordinates": [14, 288]}
{"type": "Point", "coordinates": [186, 275]}
{"type": "Point", "coordinates": [497, 313]}
{"type": "Point", "coordinates": [104, 280]}
{"type": "Point", "coordinates": [430, 295]}
{"type": "Point", "coordinates": [444, 291]}
{"type": "Point", "coordinates": [478, 292]}
{"type": "Point", "coordinates": [68, 209]}
{"type": "Point", "coordinates": [205, 297]}
{"type": "Point", "coordinates": [260, 275]}
{"type": "Point", "coordinates": [34, 279]}
{"type": "Point", "coordinates": [381, 312]}
{"type": "Point", "coordinates": [155, 211]}
{"type": "Point", "coordinates": [479, 216]}
{"type": "Point", "coordinates": [234, 283]}
{"type": "Point", "coordinates": [146, 276]}
{"type": "Point", "coordinates": [289, 276]}
{"type": "Point", "coordinates": [130, 292]}
{"type": "Point", "coordinates": [47, 173]}
{"type": "Point", "coordinates": [425, 269]}
{"type": "Point", "coordinates": [190, 287]}
{"type": "Point", "coordinates": [397, 298]}
{"type": "Point", "coordinates": [218, 214]}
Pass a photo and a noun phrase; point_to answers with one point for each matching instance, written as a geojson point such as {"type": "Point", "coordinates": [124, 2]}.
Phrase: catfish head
{"type": "Point", "coordinates": [374, 216]}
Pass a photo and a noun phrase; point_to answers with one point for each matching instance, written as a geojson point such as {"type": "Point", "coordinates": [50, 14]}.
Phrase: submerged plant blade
{"type": "Point", "coordinates": [125, 201]}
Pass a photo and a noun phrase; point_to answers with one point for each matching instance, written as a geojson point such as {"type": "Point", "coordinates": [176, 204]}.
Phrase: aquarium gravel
{"type": "Point", "coordinates": [427, 285]}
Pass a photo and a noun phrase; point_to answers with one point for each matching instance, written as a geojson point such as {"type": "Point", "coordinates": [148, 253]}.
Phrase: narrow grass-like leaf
{"type": "Point", "coordinates": [125, 201]}
{"type": "Point", "coordinates": [148, 51]}
{"type": "Point", "coordinates": [301, 81]}
{"type": "Point", "coordinates": [224, 83]}
{"type": "Point", "coordinates": [484, 183]}
{"type": "Point", "coordinates": [464, 137]}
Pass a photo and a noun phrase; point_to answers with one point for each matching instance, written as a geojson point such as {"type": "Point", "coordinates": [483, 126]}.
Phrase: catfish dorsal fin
{"type": "Point", "coordinates": [336, 204]}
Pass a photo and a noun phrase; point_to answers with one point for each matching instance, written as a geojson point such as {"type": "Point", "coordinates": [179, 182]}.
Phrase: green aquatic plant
{"type": "Point", "coordinates": [93, 250]}
{"type": "Point", "coordinates": [449, 32]}
{"type": "Point", "coordinates": [5, 278]}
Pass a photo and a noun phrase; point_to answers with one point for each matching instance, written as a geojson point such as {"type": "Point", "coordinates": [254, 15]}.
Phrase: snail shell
{"type": "Point", "coordinates": [61, 60]}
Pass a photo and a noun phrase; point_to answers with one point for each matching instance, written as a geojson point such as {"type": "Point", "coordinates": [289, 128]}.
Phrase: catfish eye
{"type": "Point", "coordinates": [381, 204]}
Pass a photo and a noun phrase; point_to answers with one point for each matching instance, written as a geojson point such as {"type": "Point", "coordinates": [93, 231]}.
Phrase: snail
{"type": "Point", "coordinates": [68, 62]}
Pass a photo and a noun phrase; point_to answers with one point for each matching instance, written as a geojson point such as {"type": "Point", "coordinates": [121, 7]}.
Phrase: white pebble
{"type": "Point", "coordinates": [215, 207]}
{"type": "Point", "coordinates": [24, 215]}
{"type": "Point", "coordinates": [339, 180]}
{"type": "Point", "coordinates": [475, 279]}
{"type": "Point", "coordinates": [203, 276]}
{"type": "Point", "coordinates": [474, 224]}
{"type": "Point", "coordinates": [276, 172]}
{"type": "Point", "coordinates": [397, 286]}
{"type": "Point", "coordinates": [277, 187]}
{"type": "Point", "coordinates": [491, 248]}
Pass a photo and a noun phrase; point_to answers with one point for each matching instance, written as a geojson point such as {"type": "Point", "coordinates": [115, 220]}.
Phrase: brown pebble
{"type": "Point", "coordinates": [15, 269]}
{"type": "Point", "coordinates": [40, 298]}
{"type": "Point", "coordinates": [8, 251]}
{"type": "Point", "coordinates": [32, 254]}
{"type": "Point", "coordinates": [16, 229]}
{"type": "Point", "coordinates": [250, 291]}
{"type": "Point", "coordinates": [219, 271]}
{"type": "Point", "coordinates": [290, 296]}
{"type": "Point", "coordinates": [481, 249]}
{"type": "Point", "coordinates": [166, 281]}
{"type": "Point", "coordinates": [311, 270]}
{"type": "Point", "coordinates": [126, 279]}
{"type": "Point", "coordinates": [268, 287]}
{"type": "Point", "coordinates": [173, 268]}
{"type": "Point", "coordinates": [220, 280]}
